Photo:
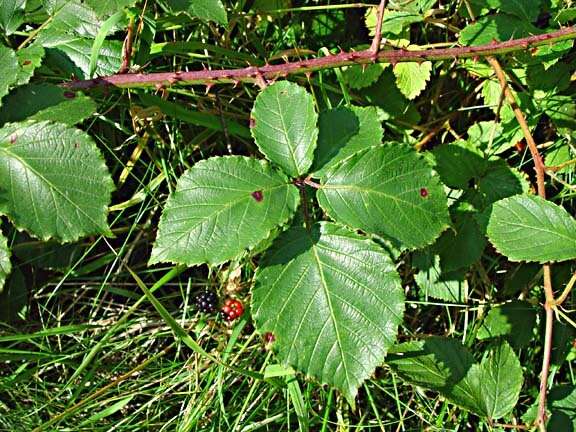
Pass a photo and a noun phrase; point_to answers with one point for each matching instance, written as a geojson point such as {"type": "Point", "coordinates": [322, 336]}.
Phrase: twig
{"type": "Point", "coordinates": [566, 291]}
{"type": "Point", "coordinates": [127, 48]}
{"type": "Point", "coordinates": [540, 169]}
{"type": "Point", "coordinates": [254, 74]}
{"type": "Point", "coordinates": [375, 47]}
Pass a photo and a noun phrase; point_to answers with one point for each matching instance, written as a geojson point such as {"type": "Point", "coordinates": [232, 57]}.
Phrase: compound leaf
{"type": "Point", "coordinates": [387, 190]}
{"type": "Point", "coordinates": [222, 206]}
{"type": "Point", "coordinates": [529, 228]}
{"type": "Point", "coordinates": [333, 301]}
{"type": "Point", "coordinates": [285, 126]}
{"type": "Point", "coordinates": [5, 266]}
{"type": "Point", "coordinates": [54, 182]}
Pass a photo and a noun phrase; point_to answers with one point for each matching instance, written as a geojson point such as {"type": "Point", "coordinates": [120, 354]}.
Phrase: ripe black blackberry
{"type": "Point", "coordinates": [206, 301]}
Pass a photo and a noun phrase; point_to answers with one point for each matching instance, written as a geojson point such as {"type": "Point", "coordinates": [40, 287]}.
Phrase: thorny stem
{"type": "Point", "coordinates": [550, 302]}
{"type": "Point", "coordinates": [257, 74]}
{"type": "Point", "coordinates": [375, 47]}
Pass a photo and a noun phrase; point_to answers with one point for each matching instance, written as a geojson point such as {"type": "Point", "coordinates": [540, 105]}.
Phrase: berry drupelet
{"type": "Point", "coordinates": [206, 301]}
{"type": "Point", "coordinates": [232, 309]}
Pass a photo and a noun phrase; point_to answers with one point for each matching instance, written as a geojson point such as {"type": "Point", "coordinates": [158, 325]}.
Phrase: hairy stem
{"type": "Point", "coordinates": [256, 74]}
{"type": "Point", "coordinates": [540, 169]}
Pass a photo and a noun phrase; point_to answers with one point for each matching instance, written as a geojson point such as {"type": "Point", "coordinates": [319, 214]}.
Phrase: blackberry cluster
{"type": "Point", "coordinates": [206, 301]}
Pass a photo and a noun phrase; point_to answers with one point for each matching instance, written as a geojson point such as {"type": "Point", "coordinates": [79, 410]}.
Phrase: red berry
{"type": "Point", "coordinates": [232, 309]}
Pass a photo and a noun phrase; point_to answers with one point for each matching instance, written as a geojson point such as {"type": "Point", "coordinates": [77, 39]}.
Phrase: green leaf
{"type": "Point", "coordinates": [46, 102]}
{"type": "Point", "coordinates": [29, 59]}
{"type": "Point", "coordinates": [342, 132]}
{"type": "Point", "coordinates": [527, 10]}
{"type": "Point", "coordinates": [491, 389]}
{"type": "Point", "coordinates": [208, 10]}
{"type": "Point", "coordinates": [106, 8]}
{"type": "Point", "coordinates": [221, 207]}
{"type": "Point", "coordinates": [389, 191]}
{"type": "Point", "coordinates": [285, 126]}
{"type": "Point", "coordinates": [55, 183]}
{"type": "Point", "coordinates": [333, 301]}
{"type": "Point", "coordinates": [436, 283]}
{"type": "Point", "coordinates": [529, 228]}
{"type": "Point", "coordinates": [463, 244]}
{"type": "Point", "coordinates": [11, 15]}
{"type": "Point", "coordinates": [437, 363]}
{"type": "Point", "coordinates": [105, 29]}
{"type": "Point", "coordinates": [458, 163]}
{"type": "Point", "coordinates": [411, 78]}
{"type": "Point", "coordinates": [499, 27]}
{"type": "Point", "coordinates": [363, 76]}
{"type": "Point", "coordinates": [74, 57]}
{"type": "Point", "coordinates": [393, 22]}
{"type": "Point", "coordinates": [561, 403]}
{"type": "Point", "coordinates": [515, 321]}
{"type": "Point", "coordinates": [9, 68]}
{"type": "Point", "coordinates": [14, 297]}
{"type": "Point", "coordinates": [5, 266]}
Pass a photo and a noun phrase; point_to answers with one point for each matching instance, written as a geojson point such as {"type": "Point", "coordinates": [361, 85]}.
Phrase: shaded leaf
{"type": "Point", "coordinates": [5, 266]}
{"type": "Point", "coordinates": [285, 126]}
{"type": "Point", "coordinates": [463, 244]}
{"type": "Point", "coordinates": [529, 228]}
{"type": "Point", "coordinates": [562, 403]}
{"type": "Point", "coordinates": [14, 297]}
{"type": "Point", "coordinates": [46, 102]}
{"type": "Point", "coordinates": [389, 191]}
{"type": "Point", "coordinates": [514, 321]}
{"type": "Point", "coordinates": [54, 181]}
{"type": "Point", "coordinates": [437, 363]}
{"type": "Point", "coordinates": [491, 389]}
{"type": "Point", "coordinates": [333, 301]}
{"type": "Point", "coordinates": [363, 76]}
{"type": "Point", "coordinates": [221, 207]}
{"type": "Point", "coordinates": [499, 27]}
{"type": "Point", "coordinates": [436, 283]}
{"type": "Point", "coordinates": [342, 132]}
{"type": "Point", "coordinates": [106, 8]}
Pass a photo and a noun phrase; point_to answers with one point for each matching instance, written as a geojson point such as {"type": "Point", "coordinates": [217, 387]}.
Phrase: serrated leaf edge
{"type": "Point", "coordinates": [248, 249]}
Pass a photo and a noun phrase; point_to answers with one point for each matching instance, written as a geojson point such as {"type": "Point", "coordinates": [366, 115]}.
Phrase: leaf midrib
{"type": "Point", "coordinates": [50, 185]}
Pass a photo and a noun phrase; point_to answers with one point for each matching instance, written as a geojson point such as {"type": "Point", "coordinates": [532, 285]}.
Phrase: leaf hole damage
{"type": "Point", "coordinates": [424, 192]}
{"type": "Point", "coordinates": [252, 122]}
{"type": "Point", "coordinates": [13, 138]}
{"type": "Point", "coordinates": [257, 195]}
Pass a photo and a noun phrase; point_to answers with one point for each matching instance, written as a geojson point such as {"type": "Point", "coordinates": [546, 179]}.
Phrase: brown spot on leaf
{"type": "Point", "coordinates": [13, 138]}
{"type": "Point", "coordinates": [257, 195]}
{"type": "Point", "coordinates": [27, 62]}
{"type": "Point", "coordinates": [69, 95]}
{"type": "Point", "coordinates": [424, 192]}
{"type": "Point", "coordinates": [252, 122]}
